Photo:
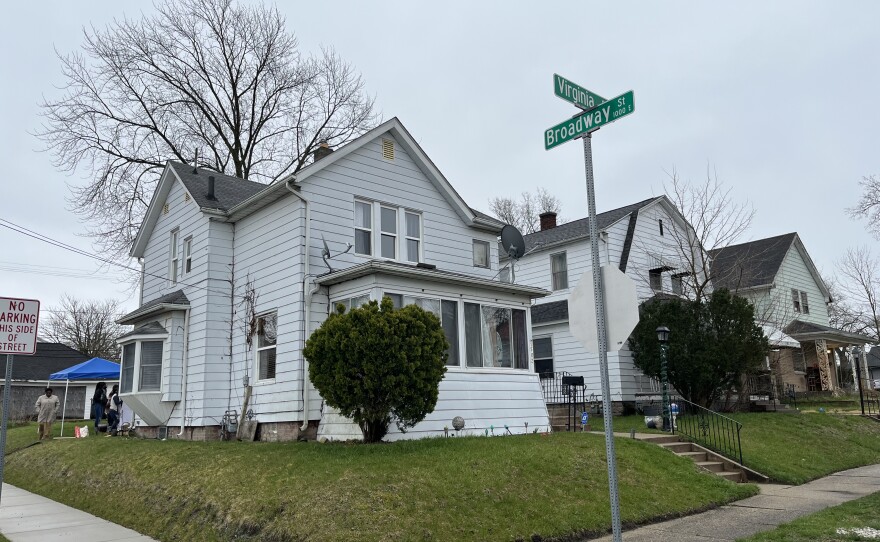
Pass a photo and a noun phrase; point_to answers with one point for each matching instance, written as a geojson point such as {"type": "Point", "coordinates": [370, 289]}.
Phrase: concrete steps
{"type": "Point", "coordinates": [704, 458]}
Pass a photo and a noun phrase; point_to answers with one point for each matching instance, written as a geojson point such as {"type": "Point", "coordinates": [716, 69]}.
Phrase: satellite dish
{"type": "Point", "coordinates": [513, 242]}
{"type": "Point", "coordinates": [327, 256]}
{"type": "Point", "coordinates": [326, 252]}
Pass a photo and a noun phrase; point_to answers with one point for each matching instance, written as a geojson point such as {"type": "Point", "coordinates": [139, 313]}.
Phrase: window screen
{"type": "Point", "coordinates": [151, 366]}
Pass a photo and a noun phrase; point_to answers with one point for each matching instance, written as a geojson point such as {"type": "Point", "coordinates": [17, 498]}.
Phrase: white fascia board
{"type": "Point", "coordinates": [141, 337]}
{"type": "Point", "coordinates": [153, 210]}
{"type": "Point", "coordinates": [130, 318]}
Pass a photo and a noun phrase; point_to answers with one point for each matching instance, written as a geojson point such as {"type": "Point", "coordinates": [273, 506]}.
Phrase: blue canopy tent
{"type": "Point", "coordinates": [94, 369]}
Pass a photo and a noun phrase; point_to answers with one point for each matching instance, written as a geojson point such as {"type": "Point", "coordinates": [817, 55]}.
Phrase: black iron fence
{"type": "Point", "coordinates": [556, 387]}
{"type": "Point", "coordinates": [872, 404]}
{"type": "Point", "coordinates": [707, 428]}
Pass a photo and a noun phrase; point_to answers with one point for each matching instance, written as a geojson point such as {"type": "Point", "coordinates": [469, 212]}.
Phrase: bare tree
{"type": "Point", "coordinates": [201, 81]}
{"type": "Point", "coordinates": [717, 221]}
{"type": "Point", "coordinates": [869, 204]}
{"type": "Point", "coordinates": [87, 326]}
{"type": "Point", "coordinates": [525, 212]}
{"type": "Point", "coordinates": [860, 283]}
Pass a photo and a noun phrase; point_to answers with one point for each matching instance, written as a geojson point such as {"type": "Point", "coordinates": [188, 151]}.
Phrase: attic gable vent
{"type": "Point", "coordinates": [388, 149]}
{"type": "Point", "coordinates": [186, 196]}
{"type": "Point", "coordinates": [165, 209]}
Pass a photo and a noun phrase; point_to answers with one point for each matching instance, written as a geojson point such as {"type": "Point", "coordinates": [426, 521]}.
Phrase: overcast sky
{"type": "Point", "coordinates": [780, 99]}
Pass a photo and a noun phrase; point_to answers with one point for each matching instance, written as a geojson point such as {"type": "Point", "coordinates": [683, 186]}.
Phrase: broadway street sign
{"type": "Point", "coordinates": [590, 120]}
{"type": "Point", "coordinates": [574, 93]}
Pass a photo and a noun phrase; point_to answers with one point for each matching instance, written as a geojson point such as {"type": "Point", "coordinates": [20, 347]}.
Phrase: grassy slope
{"type": "Point", "coordinates": [796, 448]}
{"type": "Point", "coordinates": [822, 526]}
{"type": "Point", "coordinates": [439, 489]}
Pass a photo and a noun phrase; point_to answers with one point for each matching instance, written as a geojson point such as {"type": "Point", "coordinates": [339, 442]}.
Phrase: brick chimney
{"type": "Point", "coordinates": [322, 151]}
{"type": "Point", "coordinates": [548, 220]}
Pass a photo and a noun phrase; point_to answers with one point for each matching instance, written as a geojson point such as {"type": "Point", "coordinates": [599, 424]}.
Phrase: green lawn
{"type": "Point", "coordinates": [462, 489]}
{"type": "Point", "coordinates": [822, 526]}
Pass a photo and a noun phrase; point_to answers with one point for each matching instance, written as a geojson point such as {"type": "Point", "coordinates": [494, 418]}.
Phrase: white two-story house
{"type": "Point", "coordinates": [236, 276]}
{"type": "Point", "coordinates": [644, 241]}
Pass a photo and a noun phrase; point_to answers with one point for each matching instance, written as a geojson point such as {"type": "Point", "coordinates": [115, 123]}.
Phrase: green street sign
{"type": "Point", "coordinates": [590, 120]}
{"type": "Point", "coordinates": [574, 93]}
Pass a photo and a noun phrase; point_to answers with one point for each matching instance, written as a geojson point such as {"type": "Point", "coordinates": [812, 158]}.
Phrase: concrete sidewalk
{"type": "Point", "coordinates": [777, 504]}
{"type": "Point", "coordinates": [27, 517]}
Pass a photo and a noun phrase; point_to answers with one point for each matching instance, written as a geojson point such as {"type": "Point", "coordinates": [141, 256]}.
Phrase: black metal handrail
{"type": "Point", "coordinates": [555, 393]}
{"type": "Point", "coordinates": [707, 428]}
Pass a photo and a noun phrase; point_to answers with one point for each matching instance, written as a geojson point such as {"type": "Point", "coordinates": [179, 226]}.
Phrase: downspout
{"type": "Point", "coordinates": [185, 370]}
{"type": "Point", "coordinates": [307, 302]}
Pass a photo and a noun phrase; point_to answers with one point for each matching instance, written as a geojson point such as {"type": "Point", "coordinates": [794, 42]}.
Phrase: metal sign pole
{"type": "Point", "coordinates": [599, 292]}
{"type": "Point", "coordinates": [6, 394]}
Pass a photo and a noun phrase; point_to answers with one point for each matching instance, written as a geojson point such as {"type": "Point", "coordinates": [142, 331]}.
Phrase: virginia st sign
{"type": "Point", "coordinates": [575, 94]}
{"type": "Point", "coordinates": [590, 120]}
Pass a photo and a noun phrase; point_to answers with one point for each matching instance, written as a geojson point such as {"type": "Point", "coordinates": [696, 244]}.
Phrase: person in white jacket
{"type": "Point", "coordinates": [47, 408]}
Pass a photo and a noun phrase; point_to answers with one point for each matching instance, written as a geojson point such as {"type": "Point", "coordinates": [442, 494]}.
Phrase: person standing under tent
{"type": "Point", "coordinates": [99, 401]}
{"type": "Point", "coordinates": [47, 408]}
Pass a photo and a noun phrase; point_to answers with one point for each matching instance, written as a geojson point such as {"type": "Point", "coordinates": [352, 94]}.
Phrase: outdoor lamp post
{"type": "Point", "coordinates": [663, 337]}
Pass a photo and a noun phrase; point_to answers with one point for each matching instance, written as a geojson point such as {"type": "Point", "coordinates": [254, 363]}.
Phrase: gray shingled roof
{"type": "Point", "coordinates": [578, 229]}
{"type": "Point", "coordinates": [550, 312]}
{"type": "Point", "coordinates": [49, 358]}
{"type": "Point", "coordinates": [799, 327]}
{"type": "Point", "coordinates": [749, 264]}
{"type": "Point", "coordinates": [174, 298]}
{"type": "Point", "coordinates": [152, 328]}
{"type": "Point", "coordinates": [228, 190]}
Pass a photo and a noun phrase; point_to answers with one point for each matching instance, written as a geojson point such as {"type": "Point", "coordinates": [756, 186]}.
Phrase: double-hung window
{"type": "Point", "coordinates": [543, 348]}
{"type": "Point", "coordinates": [187, 255]}
{"type": "Point", "coordinates": [126, 380]}
{"type": "Point", "coordinates": [796, 301]}
{"type": "Point", "coordinates": [388, 226]}
{"type": "Point", "coordinates": [413, 237]}
{"type": "Point", "coordinates": [267, 339]}
{"type": "Point", "coordinates": [481, 253]}
{"type": "Point", "coordinates": [559, 271]}
{"type": "Point", "coordinates": [495, 337]}
{"type": "Point", "coordinates": [655, 279]}
{"type": "Point", "coordinates": [363, 228]}
{"type": "Point", "coordinates": [172, 261]}
{"type": "Point", "coordinates": [805, 305]}
{"type": "Point", "coordinates": [151, 366]}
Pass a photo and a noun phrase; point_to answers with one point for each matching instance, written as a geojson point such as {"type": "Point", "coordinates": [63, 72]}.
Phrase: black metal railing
{"type": "Point", "coordinates": [760, 388]}
{"type": "Point", "coordinates": [872, 404]}
{"type": "Point", "coordinates": [555, 392]}
{"type": "Point", "coordinates": [563, 389]}
{"type": "Point", "coordinates": [707, 428]}
{"type": "Point", "coordinates": [791, 395]}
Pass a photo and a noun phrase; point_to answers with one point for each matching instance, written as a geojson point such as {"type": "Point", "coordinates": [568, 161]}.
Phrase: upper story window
{"type": "Point", "coordinates": [678, 283]}
{"type": "Point", "coordinates": [800, 302]}
{"type": "Point", "coordinates": [795, 301]}
{"type": "Point", "coordinates": [187, 255]}
{"type": "Point", "coordinates": [481, 253]}
{"type": "Point", "coordinates": [388, 225]}
{"type": "Point", "coordinates": [363, 228]}
{"type": "Point", "coordinates": [172, 258]}
{"type": "Point", "coordinates": [413, 237]}
{"type": "Point", "coordinates": [559, 271]}
{"type": "Point", "coordinates": [661, 226]}
{"type": "Point", "coordinates": [398, 236]}
{"type": "Point", "coordinates": [504, 275]}
{"type": "Point", "coordinates": [655, 279]}
{"type": "Point", "coordinates": [267, 339]}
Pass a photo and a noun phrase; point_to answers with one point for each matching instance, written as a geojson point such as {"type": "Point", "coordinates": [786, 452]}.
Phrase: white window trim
{"type": "Point", "coordinates": [402, 216]}
{"type": "Point", "coordinates": [552, 277]}
{"type": "Point", "coordinates": [394, 235]}
{"type": "Point", "coordinates": [187, 255]}
{"type": "Point", "coordinates": [136, 370]}
{"type": "Point", "coordinates": [530, 363]}
{"type": "Point", "coordinates": [371, 229]}
{"type": "Point", "coordinates": [173, 256]}
{"type": "Point", "coordinates": [258, 349]}
{"type": "Point", "coordinates": [488, 253]}
{"type": "Point", "coordinates": [400, 237]}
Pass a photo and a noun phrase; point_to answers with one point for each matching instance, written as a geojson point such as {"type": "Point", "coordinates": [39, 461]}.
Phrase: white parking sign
{"type": "Point", "coordinates": [19, 319]}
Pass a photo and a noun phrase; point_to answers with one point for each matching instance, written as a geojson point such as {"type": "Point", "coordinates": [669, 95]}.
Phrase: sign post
{"type": "Point", "coordinates": [19, 319]}
{"type": "Point", "coordinates": [582, 126]}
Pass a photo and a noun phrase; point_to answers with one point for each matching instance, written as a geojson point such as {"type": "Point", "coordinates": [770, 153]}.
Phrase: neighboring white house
{"type": "Point", "coordinates": [791, 301]}
{"type": "Point", "coordinates": [208, 239]}
{"type": "Point", "coordinates": [642, 240]}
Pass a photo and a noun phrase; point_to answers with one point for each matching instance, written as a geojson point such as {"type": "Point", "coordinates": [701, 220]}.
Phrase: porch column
{"type": "Point", "coordinates": [824, 366]}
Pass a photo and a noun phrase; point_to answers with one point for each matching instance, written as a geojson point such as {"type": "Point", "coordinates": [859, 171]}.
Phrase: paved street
{"type": "Point", "coordinates": [777, 504]}
{"type": "Point", "coordinates": [26, 517]}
